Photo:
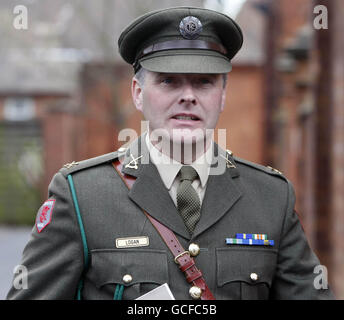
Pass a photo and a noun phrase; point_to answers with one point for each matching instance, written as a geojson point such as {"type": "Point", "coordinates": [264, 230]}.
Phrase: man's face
{"type": "Point", "coordinates": [181, 104]}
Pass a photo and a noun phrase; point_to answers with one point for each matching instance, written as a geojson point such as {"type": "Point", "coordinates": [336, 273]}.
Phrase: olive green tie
{"type": "Point", "coordinates": [188, 201]}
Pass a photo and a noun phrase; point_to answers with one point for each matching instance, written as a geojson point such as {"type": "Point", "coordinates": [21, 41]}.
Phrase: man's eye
{"type": "Point", "coordinates": [167, 80]}
{"type": "Point", "coordinates": [205, 81]}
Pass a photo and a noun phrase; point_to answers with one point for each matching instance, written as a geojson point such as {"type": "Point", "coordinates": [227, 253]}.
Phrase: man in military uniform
{"type": "Point", "coordinates": [102, 232]}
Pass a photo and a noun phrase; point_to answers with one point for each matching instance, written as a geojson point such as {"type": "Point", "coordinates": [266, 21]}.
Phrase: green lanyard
{"type": "Point", "coordinates": [118, 292]}
{"type": "Point", "coordinates": [83, 234]}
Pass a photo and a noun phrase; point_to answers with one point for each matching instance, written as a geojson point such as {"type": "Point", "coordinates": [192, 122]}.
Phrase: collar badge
{"type": "Point", "coordinates": [133, 164]}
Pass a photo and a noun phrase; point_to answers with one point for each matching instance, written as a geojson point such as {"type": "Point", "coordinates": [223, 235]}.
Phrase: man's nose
{"type": "Point", "coordinates": [188, 95]}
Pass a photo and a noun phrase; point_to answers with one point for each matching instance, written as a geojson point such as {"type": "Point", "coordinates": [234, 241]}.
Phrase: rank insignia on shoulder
{"type": "Point", "coordinates": [275, 170]}
{"type": "Point", "coordinates": [44, 214]}
{"type": "Point", "coordinates": [251, 239]}
{"type": "Point", "coordinates": [228, 161]}
{"type": "Point", "coordinates": [70, 165]}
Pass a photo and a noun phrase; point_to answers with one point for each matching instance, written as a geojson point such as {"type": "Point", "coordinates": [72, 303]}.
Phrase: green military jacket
{"type": "Point", "coordinates": [245, 198]}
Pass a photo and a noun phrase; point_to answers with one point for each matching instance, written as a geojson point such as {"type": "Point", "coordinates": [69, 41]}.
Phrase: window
{"type": "Point", "coordinates": [19, 109]}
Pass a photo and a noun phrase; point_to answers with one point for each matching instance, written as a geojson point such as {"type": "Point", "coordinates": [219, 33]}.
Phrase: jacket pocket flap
{"type": "Point", "coordinates": [143, 265]}
{"type": "Point", "coordinates": [250, 265]}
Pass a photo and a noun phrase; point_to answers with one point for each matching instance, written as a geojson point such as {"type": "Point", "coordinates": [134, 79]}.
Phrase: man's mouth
{"type": "Point", "coordinates": [186, 117]}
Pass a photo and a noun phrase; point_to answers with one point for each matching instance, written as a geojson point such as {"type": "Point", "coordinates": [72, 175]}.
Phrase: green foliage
{"type": "Point", "coordinates": [18, 201]}
{"type": "Point", "coordinates": [19, 192]}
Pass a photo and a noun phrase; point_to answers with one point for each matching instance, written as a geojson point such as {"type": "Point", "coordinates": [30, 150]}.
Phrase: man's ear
{"type": "Point", "coordinates": [136, 93]}
{"type": "Point", "coordinates": [223, 99]}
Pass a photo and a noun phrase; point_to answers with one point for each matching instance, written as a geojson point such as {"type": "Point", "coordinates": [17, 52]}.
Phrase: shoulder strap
{"type": "Point", "coordinates": [181, 256]}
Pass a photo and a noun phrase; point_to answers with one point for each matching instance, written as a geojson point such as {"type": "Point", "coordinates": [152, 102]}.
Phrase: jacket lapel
{"type": "Point", "coordinates": [221, 193]}
{"type": "Point", "coordinates": [150, 194]}
{"type": "Point", "coordinates": [148, 191]}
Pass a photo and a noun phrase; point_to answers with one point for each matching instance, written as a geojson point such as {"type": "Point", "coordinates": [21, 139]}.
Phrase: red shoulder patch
{"type": "Point", "coordinates": [44, 214]}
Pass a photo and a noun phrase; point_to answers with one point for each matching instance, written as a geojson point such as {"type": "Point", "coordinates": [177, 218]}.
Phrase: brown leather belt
{"type": "Point", "coordinates": [181, 256]}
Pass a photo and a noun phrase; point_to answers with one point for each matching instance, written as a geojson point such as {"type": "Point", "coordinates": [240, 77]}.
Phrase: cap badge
{"type": "Point", "coordinates": [190, 27]}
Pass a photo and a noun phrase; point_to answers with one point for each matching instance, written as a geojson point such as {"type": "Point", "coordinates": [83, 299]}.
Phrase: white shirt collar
{"type": "Point", "coordinates": [168, 168]}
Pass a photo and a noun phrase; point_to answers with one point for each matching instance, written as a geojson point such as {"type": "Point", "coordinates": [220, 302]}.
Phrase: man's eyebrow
{"type": "Point", "coordinates": [164, 74]}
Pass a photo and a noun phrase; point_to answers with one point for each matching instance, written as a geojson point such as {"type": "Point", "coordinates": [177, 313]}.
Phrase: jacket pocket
{"type": "Point", "coordinates": [138, 270]}
{"type": "Point", "coordinates": [245, 273]}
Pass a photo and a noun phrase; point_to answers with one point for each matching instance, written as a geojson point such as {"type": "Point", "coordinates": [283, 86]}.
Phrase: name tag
{"type": "Point", "coordinates": [131, 242]}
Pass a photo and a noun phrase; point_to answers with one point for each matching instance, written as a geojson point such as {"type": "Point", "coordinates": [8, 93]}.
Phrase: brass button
{"type": "Point", "coordinates": [195, 292]}
{"type": "Point", "coordinates": [127, 278]}
{"type": "Point", "coordinates": [254, 276]}
{"type": "Point", "coordinates": [194, 249]}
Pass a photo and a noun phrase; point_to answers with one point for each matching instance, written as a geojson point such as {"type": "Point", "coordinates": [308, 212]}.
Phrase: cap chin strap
{"type": "Point", "coordinates": [179, 45]}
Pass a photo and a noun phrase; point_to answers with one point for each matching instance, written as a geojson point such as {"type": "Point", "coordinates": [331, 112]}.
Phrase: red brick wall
{"type": "Point", "coordinates": [294, 14]}
{"type": "Point", "coordinates": [312, 142]}
{"type": "Point", "coordinates": [337, 230]}
{"type": "Point", "coordinates": [61, 132]}
{"type": "Point", "coordinates": [243, 113]}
